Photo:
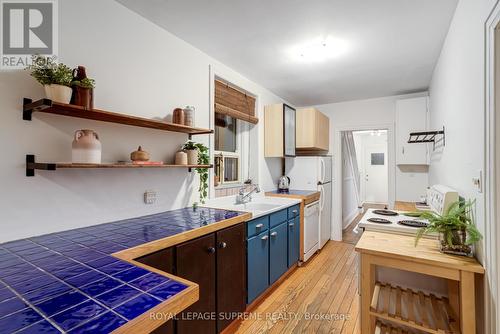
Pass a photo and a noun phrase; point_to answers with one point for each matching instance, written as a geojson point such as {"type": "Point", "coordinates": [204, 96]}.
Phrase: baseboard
{"type": "Point", "coordinates": [349, 219]}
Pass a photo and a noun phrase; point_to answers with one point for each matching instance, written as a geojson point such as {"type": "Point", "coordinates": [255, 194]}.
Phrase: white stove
{"type": "Point", "coordinates": [397, 223]}
{"type": "Point", "coordinates": [439, 198]}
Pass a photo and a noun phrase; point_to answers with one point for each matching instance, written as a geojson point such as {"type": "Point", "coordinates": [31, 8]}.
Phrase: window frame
{"type": "Point", "coordinates": [236, 154]}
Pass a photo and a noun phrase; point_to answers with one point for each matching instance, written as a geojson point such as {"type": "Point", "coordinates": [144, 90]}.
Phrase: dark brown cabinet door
{"type": "Point", "coordinates": [196, 262]}
{"type": "Point", "coordinates": [163, 260]}
{"type": "Point", "coordinates": [231, 274]}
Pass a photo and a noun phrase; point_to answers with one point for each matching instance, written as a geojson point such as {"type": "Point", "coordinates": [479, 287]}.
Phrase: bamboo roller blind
{"type": "Point", "coordinates": [232, 102]}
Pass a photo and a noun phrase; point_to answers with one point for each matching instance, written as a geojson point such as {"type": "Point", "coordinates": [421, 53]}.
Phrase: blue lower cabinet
{"type": "Point", "coordinates": [293, 241]}
{"type": "Point", "coordinates": [258, 265]}
{"type": "Point", "coordinates": [278, 249]}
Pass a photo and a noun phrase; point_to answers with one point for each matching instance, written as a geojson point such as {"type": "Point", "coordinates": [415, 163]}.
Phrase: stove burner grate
{"type": "Point", "coordinates": [413, 223]}
{"type": "Point", "coordinates": [385, 212]}
{"type": "Point", "coordinates": [379, 221]}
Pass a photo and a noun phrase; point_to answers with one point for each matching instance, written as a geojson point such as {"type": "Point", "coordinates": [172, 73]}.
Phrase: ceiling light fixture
{"type": "Point", "coordinates": [319, 50]}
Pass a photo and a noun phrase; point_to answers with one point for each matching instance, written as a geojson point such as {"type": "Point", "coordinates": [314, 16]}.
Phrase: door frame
{"type": "Point", "coordinates": [337, 185]}
{"type": "Point", "coordinates": [492, 173]}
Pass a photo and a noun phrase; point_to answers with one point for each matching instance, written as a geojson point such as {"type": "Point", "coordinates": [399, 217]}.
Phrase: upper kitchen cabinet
{"type": "Point", "coordinates": [313, 131]}
{"type": "Point", "coordinates": [279, 131]}
{"type": "Point", "coordinates": [411, 116]}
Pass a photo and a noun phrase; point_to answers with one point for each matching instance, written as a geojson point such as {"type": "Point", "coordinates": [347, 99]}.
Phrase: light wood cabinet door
{"type": "Point", "coordinates": [313, 131]}
{"type": "Point", "coordinates": [279, 131]}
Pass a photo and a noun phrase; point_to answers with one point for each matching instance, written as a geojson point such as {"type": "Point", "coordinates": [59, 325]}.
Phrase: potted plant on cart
{"type": "Point", "coordinates": [456, 228]}
{"type": "Point", "coordinates": [198, 154]}
{"type": "Point", "coordinates": [55, 77]}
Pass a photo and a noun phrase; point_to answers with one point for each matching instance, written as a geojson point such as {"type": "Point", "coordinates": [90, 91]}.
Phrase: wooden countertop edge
{"type": "Point", "coordinates": [306, 198]}
{"type": "Point", "coordinates": [471, 265]}
{"type": "Point", "coordinates": [145, 323]}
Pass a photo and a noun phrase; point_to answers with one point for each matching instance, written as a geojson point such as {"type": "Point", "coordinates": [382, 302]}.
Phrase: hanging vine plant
{"type": "Point", "coordinates": [203, 159]}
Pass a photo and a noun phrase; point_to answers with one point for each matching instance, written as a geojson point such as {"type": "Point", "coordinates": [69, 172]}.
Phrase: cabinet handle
{"type": "Point", "coordinates": [211, 250]}
{"type": "Point", "coordinates": [291, 224]}
{"type": "Point", "coordinates": [222, 244]}
{"type": "Point", "coordinates": [264, 237]}
{"type": "Point", "coordinates": [294, 212]}
{"type": "Point", "coordinates": [403, 151]}
{"type": "Point", "coordinates": [259, 226]}
{"type": "Point", "coordinates": [274, 234]}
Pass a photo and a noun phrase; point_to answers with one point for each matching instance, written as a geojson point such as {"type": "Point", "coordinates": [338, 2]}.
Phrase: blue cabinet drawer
{"type": "Point", "coordinates": [277, 218]}
{"type": "Point", "coordinates": [257, 226]}
{"type": "Point", "coordinates": [293, 241]}
{"type": "Point", "coordinates": [278, 249]}
{"type": "Point", "coordinates": [258, 265]}
{"type": "Point", "coordinates": [294, 211]}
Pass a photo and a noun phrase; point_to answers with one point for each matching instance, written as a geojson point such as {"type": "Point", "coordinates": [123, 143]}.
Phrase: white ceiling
{"type": "Point", "coordinates": [393, 45]}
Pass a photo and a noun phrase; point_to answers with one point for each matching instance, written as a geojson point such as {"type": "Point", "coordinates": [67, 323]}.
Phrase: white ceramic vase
{"type": "Point", "coordinates": [58, 93]}
{"type": "Point", "coordinates": [192, 157]}
{"type": "Point", "coordinates": [181, 158]}
{"type": "Point", "coordinates": [86, 147]}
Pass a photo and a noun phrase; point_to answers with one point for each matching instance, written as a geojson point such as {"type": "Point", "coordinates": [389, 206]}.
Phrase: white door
{"type": "Point", "coordinates": [376, 172]}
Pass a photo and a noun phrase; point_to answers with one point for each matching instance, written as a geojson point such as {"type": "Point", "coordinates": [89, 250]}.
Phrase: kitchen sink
{"type": "Point", "coordinates": [258, 206]}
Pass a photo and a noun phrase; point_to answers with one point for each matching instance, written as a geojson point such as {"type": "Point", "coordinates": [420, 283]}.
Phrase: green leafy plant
{"type": "Point", "coordinates": [456, 226]}
{"type": "Point", "coordinates": [203, 159]}
{"type": "Point", "coordinates": [190, 145]}
{"type": "Point", "coordinates": [85, 83]}
{"type": "Point", "coordinates": [48, 72]}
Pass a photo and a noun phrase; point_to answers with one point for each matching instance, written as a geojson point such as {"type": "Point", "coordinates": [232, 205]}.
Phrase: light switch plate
{"type": "Point", "coordinates": [478, 181]}
{"type": "Point", "coordinates": [149, 197]}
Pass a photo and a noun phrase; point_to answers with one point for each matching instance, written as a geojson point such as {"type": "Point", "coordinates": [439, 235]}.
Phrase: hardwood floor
{"type": "Point", "coordinates": [350, 234]}
{"type": "Point", "coordinates": [319, 297]}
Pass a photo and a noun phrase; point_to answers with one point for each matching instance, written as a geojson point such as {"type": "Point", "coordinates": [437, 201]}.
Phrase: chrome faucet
{"type": "Point", "coordinates": [243, 198]}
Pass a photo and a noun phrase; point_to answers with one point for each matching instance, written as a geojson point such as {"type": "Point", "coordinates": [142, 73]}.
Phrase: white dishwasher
{"type": "Point", "coordinates": [311, 229]}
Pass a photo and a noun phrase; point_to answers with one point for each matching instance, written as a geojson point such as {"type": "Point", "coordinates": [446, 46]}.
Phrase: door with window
{"type": "Point", "coordinates": [376, 173]}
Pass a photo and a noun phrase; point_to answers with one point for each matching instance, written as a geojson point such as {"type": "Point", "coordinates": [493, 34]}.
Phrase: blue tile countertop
{"type": "Point", "coordinates": [68, 282]}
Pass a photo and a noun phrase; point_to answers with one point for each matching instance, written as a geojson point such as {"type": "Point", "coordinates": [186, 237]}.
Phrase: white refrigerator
{"type": "Point", "coordinates": [315, 173]}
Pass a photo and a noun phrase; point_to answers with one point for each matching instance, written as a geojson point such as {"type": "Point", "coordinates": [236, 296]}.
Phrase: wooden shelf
{"type": "Point", "coordinates": [49, 107]}
{"type": "Point", "coordinates": [388, 329]}
{"type": "Point", "coordinates": [32, 165]}
{"type": "Point", "coordinates": [423, 312]}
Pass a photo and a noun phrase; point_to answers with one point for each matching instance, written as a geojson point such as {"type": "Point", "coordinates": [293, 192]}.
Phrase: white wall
{"type": "Point", "coordinates": [457, 101]}
{"type": "Point", "coordinates": [410, 184]}
{"type": "Point", "coordinates": [140, 69]}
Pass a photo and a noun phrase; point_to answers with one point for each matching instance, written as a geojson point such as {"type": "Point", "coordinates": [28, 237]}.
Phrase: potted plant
{"type": "Point", "coordinates": [83, 93]}
{"type": "Point", "coordinates": [83, 88]}
{"type": "Point", "coordinates": [55, 77]}
{"type": "Point", "coordinates": [203, 159]}
{"type": "Point", "coordinates": [456, 228]}
{"type": "Point", "coordinates": [192, 152]}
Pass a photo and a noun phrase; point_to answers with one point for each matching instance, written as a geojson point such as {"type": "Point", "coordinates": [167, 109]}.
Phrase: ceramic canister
{"type": "Point", "coordinates": [181, 158]}
{"type": "Point", "coordinates": [86, 147]}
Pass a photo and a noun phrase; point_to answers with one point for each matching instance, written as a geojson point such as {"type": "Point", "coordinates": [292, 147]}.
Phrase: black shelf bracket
{"type": "Point", "coordinates": [29, 107]}
{"type": "Point", "coordinates": [428, 137]}
{"type": "Point", "coordinates": [31, 165]}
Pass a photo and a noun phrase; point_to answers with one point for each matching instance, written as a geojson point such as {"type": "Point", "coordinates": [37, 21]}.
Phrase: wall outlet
{"type": "Point", "coordinates": [149, 197]}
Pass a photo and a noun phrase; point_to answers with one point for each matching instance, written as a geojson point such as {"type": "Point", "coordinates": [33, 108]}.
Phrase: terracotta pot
{"type": "Point", "coordinates": [192, 156]}
{"type": "Point", "coordinates": [58, 93]}
{"type": "Point", "coordinates": [139, 155]}
{"type": "Point", "coordinates": [83, 97]}
{"type": "Point", "coordinates": [86, 147]}
{"type": "Point", "coordinates": [181, 158]}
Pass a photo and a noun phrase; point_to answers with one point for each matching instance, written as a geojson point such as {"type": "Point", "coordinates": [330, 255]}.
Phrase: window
{"type": "Point", "coordinates": [227, 155]}
{"type": "Point", "coordinates": [377, 159]}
